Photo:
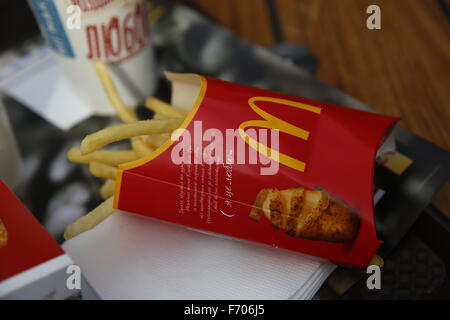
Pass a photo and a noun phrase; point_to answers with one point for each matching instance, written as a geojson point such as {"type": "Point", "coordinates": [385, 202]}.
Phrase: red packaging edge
{"type": "Point", "coordinates": [185, 124]}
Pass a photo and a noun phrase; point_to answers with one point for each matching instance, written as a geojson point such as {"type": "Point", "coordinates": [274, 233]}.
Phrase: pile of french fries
{"type": "Point", "coordinates": [145, 137]}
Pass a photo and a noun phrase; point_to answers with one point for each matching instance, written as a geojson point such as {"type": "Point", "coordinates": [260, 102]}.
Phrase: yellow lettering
{"type": "Point", "coordinates": [272, 122]}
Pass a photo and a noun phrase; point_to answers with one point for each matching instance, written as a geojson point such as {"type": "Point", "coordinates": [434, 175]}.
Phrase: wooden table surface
{"type": "Point", "coordinates": [401, 70]}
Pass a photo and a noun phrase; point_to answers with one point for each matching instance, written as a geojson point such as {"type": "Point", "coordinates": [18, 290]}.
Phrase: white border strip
{"type": "Point", "coordinates": [31, 275]}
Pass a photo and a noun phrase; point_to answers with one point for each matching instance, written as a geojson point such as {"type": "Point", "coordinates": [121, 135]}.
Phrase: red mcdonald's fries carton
{"type": "Point", "coordinates": [265, 167]}
{"type": "Point", "coordinates": [32, 264]}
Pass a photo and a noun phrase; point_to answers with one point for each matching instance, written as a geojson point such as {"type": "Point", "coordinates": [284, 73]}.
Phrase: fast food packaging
{"type": "Point", "coordinates": [265, 167]}
{"type": "Point", "coordinates": [32, 264]}
{"type": "Point", "coordinates": [114, 31]}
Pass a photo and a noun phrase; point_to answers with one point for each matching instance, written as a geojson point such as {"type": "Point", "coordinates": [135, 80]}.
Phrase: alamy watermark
{"type": "Point", "coordinates": [373, 22]}
{"type": "Point", "coordinates": [250, 146]}
{"type": "Point", "coordinates": [374, 280]}
{"type": "Point", "coordinates": [73, 281]}
{"type": "Point", "coordinates": [73, 21]}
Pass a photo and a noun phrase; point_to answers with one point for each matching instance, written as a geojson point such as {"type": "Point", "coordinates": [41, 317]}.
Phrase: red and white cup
{"type": "Point", "coordinates": [114, 31]}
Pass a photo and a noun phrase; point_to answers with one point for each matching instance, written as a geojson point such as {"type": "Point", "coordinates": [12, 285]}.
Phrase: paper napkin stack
{"type": "Point", "coordinates": [134, 257]}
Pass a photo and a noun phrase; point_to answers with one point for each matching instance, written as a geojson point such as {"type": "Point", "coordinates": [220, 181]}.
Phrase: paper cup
{"type": "Point", "coordinates": [114, 31]}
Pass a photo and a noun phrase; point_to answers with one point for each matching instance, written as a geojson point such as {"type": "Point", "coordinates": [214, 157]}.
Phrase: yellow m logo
{"type": "Point", "coordinates": [272, 122]}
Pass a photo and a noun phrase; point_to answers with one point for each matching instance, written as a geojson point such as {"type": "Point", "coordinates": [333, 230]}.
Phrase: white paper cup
{"type": "Point", "coordinates": [114, 31]}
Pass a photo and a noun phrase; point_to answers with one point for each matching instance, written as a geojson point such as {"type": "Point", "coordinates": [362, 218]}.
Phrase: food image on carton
{"type": "Point", "coordinates": [307, 214]}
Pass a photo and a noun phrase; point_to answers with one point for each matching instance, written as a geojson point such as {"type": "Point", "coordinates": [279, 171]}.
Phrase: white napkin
{"type": "Point", "coordinates": [37, 81]}
{"type": "Point", "coordinates": [134, 257]}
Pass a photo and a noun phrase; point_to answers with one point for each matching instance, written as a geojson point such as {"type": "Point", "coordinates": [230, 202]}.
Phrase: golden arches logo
{"type": "Point", "coordinates": [274, 123]}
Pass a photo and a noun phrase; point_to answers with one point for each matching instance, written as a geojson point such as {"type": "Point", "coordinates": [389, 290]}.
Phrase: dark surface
{"type": "Point", "coordinates": [418, 268]}
{"type": "Point", "coordinates": [16, 23]}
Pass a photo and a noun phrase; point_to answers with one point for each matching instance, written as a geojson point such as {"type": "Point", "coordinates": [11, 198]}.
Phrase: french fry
{"type": "Point", "coordinates": [163, 109]}
{"type": "Point", "coordinates": [125, 114]}
{"type": "Point", "coordinates": [156, 140]}
{"type": "Point", "coordinates": [107, 189]}
{"type": "Point", "coordinates": [144, 135]}
{"type": "Point", "coordinates": [101, 170]}
{"type": "Point", "coordinates": [111, 157]}
{"type": "Point", "coordinates": [119, 132]}
{"type": "Point", "coordinates": [89, 221]}
{"type": "Point", "coordinates": [377, 261]}
{"type": "Point", "coordinates": [159, 116]}
{"type": "Point", "coordinates": [140, 147]}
